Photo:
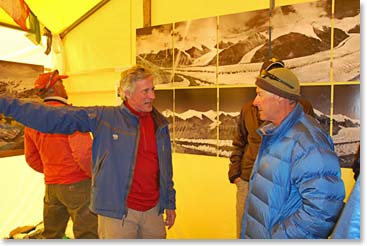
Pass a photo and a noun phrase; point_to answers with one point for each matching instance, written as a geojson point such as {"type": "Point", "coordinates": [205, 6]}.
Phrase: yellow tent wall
{"type": "Point", "coordinates": [95, 53]}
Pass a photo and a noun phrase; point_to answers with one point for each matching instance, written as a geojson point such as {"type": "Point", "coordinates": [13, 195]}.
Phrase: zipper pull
{"type": "Point", "coordinates": [123, 220]}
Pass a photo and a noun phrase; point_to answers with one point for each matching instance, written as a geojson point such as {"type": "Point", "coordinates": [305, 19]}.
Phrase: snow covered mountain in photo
{"type": "Point", "coordinates": [196, 133]}
{"type": "Point", "coordinates": [301, 36]}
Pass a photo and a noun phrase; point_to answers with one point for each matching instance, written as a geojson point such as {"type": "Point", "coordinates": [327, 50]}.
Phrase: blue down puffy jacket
{"type": "Point", "coordinates": [295, 188]}
{"type": "Point", "coordinates": [115, 141]}
{"type": "Point", "coordinates": [349, 222]}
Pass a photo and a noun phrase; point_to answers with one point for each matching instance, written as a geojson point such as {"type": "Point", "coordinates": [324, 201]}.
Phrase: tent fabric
{"type": "Point", "coordinates": [95, 53]}
{"type": "Point", "coordinates": [55, 15]}
{"type": "Point", "coordinates": [16, 47]}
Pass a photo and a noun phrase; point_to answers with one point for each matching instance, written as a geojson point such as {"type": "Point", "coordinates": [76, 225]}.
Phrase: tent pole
{"type": "Point", "coordinates": [147, 13]}
{"type": "Point", "coordinates": [82, 18]}
{"type": "Point", "coordinates": [11, 26]}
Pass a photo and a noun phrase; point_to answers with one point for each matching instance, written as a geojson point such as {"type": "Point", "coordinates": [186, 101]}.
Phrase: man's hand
{"type": "Point", "coordinates": [170, 217]}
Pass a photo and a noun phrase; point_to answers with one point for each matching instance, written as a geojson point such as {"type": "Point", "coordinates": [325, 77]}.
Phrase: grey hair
{"type": "Point", "coordinates": [129, 78]}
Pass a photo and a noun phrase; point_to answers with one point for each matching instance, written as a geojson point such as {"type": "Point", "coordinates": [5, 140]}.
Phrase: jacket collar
{"type": "Point", "coordinates": [136, 113]}
{"type": "Point", "coordinates": [158, 118]}
{"type": "Point", "coordinates": [56, 98]}
{"type": "Point", "coordinates": [268, 128]}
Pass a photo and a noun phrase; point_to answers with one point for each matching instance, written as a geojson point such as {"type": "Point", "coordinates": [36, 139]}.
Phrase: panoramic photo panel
{"type": "Point", "coordinates": [154, 50]}
{"type": "Point", "coordinates": [240, 36]}
{"type": "Point", "coordinates": [347, 36]}
{"type": "Point", "coordinates": [164, 104]}
{"type": "Point", "coordinates": [346, 122]}
{"type": "Point", "coordinates": [320, 99]}
{"type": "Point", "coordinates": [195, 52]}
{"type": "Point", "coordinates": [301, 36]}
{"type": "Point", "coordinates": [231, 101]}
{"type": "Point", "coordinates": [195, 121]}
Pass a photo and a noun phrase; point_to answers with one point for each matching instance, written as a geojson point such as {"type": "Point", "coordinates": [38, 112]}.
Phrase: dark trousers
{"type": "Point", "coordinates": [64, 201]}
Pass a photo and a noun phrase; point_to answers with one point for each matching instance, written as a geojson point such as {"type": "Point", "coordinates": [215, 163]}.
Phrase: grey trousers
{"type": "Point", "coordinates": [64, 201]}
{"type": "Point", "coordinates": [136, 225]}
{"type": "Point", "coordinates": [242, 191]}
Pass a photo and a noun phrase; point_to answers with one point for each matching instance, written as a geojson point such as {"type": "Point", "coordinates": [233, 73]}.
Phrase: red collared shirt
{"type": "Point", "coordinates": [144, 192]}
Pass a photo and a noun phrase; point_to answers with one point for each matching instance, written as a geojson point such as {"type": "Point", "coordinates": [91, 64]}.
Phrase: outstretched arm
{"type": "Point", "coordinates": [47, 119]}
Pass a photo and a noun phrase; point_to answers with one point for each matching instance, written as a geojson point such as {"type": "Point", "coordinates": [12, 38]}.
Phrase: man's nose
{"type": "Point", "coordinates": [255, 101]}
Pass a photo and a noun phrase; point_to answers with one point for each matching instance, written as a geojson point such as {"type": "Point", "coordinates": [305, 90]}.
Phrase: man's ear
{"type": "Point", "coordinates": [127, 94]}
{"type": "Point", "coordinates": [119, 92]}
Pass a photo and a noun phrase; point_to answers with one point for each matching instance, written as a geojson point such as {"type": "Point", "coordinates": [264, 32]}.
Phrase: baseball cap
{"type": "Point", "coordinates": [46, 81]}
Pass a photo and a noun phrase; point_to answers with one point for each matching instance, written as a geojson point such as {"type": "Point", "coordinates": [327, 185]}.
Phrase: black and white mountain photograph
{"type": "Point", "coordinates": [346, 122]}
{"type": "Point", "coordinates": [240, 36]}
{"type": "Point", "coordinates": [195, 121]}
{"type": "Point", "coordinates": [320, 99]}
{"type": "Point", "coordinates": [346, 63]}
{"type": "Point", "coordinates": [164, 103]}
{"type": "Point", "coordinates": [231, 101]}
{"type": "Point", "coordinates": [228, 51]}
{"type": "Point", "coordinates": [195, 52]}
{"type": "Point", "coordinates": [16, 80]}
{"type": "Point", "coordinates": [154, 50]}
{"type": "Point", "coordinates": [301, 36]}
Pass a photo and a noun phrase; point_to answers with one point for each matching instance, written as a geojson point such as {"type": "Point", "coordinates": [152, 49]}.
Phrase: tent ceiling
{"type": "Point", "coordinates": [56, 15]}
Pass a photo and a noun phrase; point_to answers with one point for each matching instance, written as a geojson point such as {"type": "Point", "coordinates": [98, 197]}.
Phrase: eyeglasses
{"type": "Point", "coordinates": [265, 74]}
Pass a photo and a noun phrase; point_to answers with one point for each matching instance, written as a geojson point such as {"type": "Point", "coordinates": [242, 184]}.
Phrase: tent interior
{"type": "Point", "coordinates": [93, 41]}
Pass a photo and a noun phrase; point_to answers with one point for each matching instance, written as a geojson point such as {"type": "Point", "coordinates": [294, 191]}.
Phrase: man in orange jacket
{"type": "Point", "coordinates": [65, 161]}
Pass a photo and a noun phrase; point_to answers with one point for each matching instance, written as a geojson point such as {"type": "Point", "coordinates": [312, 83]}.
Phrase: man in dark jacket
{"type": "Point", "coordinates": [132, 184]}
{"type": "Point", "coordinates": [246, 143]}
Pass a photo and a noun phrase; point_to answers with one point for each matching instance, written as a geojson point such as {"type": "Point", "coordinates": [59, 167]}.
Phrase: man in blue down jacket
{"type": "Point", "coordinates": [132, 164]}
{"type": "Point", "coordinates": [295, 188]}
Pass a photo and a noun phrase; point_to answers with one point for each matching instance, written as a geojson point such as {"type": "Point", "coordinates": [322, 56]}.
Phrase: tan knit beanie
{"type": "Point", "coordinates": [280, 81]}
